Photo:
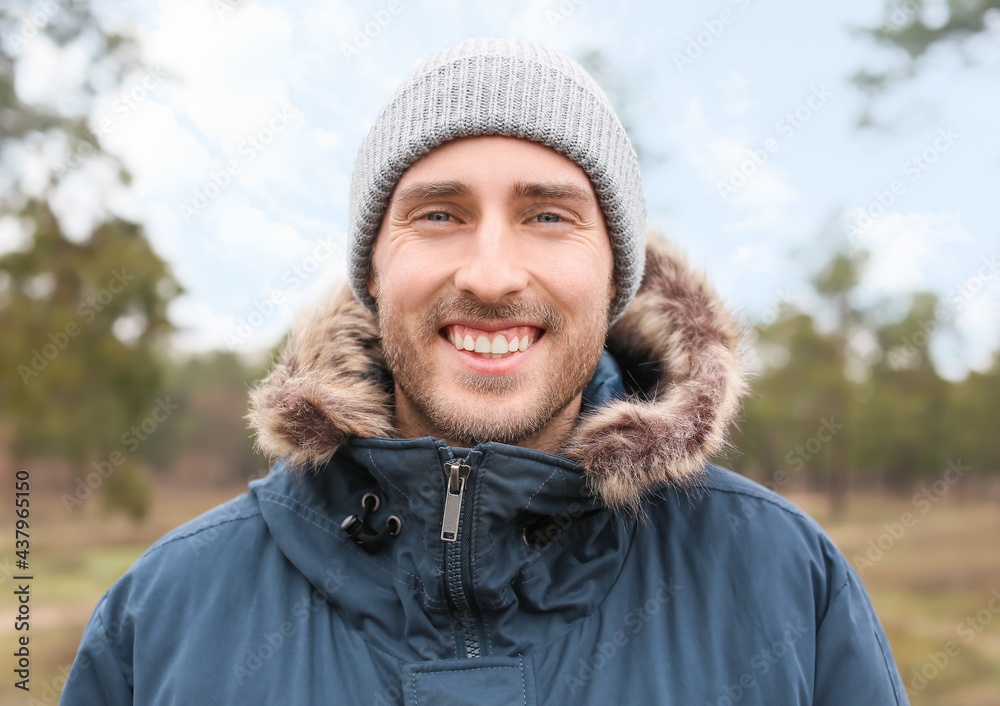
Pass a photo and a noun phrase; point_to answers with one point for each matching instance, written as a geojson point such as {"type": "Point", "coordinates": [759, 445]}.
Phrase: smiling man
{"type": "Point", "coordinates": [494, 483]}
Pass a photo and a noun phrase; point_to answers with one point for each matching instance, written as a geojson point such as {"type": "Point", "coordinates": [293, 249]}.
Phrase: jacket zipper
{"type": "Point", "coordinates": [458, 474]}
{"type": "Point", "coordinates": [458, 558]}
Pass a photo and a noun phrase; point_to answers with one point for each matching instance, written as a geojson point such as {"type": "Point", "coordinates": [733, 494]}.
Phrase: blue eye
{"type": "Point", "coordinates": [548, 218]}
{"type": "Point", "coordinates": [438, 216]}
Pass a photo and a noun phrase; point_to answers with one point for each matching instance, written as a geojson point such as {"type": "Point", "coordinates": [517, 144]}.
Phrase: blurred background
{"type": "Point", "coordinates": [173, 189]}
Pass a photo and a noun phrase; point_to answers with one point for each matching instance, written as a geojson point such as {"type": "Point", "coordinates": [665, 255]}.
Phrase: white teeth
{"type": "Point", "coordinates": [499, 347]}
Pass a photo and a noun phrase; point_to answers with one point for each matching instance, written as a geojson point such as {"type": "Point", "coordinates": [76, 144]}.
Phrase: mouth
{"type": "Point", "coordinates": [492, 344]}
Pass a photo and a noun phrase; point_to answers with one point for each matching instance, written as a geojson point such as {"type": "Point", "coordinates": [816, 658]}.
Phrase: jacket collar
{"type": "Point", "coordinates": [541, 552]}
{"type": "Point", "coordinates": [682, 382]}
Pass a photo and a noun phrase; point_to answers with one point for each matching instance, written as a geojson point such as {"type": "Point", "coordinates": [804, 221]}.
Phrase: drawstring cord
{"type": "Point", "coordinates": [363, 535]}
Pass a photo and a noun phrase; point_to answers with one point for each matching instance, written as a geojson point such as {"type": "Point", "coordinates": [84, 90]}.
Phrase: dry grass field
{"type": "Point", "coordinates": [931, 585]}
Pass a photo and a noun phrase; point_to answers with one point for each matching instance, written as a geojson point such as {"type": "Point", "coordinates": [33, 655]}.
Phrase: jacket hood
{"type": "Point", "coordinates": [677, 345]}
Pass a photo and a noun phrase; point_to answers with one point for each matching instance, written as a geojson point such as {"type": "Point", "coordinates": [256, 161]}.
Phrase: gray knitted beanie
{"type": "Point", "coordinates": [501, 87]}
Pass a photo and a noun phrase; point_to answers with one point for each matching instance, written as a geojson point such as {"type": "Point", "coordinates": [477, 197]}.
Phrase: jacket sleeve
{"type": "Point", "coordinates": [99, 674]}
{"type": "Point", "coordinates": [854, 664]}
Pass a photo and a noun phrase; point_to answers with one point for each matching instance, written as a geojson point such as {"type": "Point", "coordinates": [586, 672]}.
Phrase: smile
{"type": "Point", "coordinates": [492, 344]}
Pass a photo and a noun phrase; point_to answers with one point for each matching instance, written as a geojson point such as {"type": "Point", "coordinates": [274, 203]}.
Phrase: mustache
{"type": "Point", "coordinates": [467, 306]}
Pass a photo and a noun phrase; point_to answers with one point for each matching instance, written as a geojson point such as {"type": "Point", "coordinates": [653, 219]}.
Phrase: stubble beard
{"type": "Point", "coordinates": [573, 357]}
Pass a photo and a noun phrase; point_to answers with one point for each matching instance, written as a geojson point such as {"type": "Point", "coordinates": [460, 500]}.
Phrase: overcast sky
{"type": "Point", "coordinates": [242, 137]}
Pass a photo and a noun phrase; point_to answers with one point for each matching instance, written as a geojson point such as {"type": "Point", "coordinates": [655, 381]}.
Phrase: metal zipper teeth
{"type": "Point", "coordinates": [458, 560]}
{"type": "Point", "coordinates": [459, 600]}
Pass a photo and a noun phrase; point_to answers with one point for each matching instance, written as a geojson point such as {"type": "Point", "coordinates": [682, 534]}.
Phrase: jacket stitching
{"type": "Point", "coordinates": [499, 599]}
{"type": "Point", "coordinates": [412, 512]}
{"type": "Point", "coordinates": [475, 564]}
{"type": "Point", "coordinates": [878, 639]}
{"type": "Point", "coordinates": [413, 678]}
{"type": "Point", "coordinates": [470, 669]}
{"type": "Point", "coordinates": [539, 489]}
{"type": "Point", "coordinates": [795, 512]}
{"type": "Point", "coordinates": [114, 653]}
{"type": "Point", "coordinates": [475, 561]}
{"type": "Point", "coordinates": [885, 662]}
{"type": "Point", "coordinates": [387, 480]}
{"type": "Point", "coordinates": [527, 506]}
{"type": "Point", "coordinates": [344, 541]}
{"type": "Point", "coordinates": [491, 529]}
{"type": "Point", "coordinates": [199, 530]}
{"type": "Point", "coordinates": [524, 689]}
{"type": "Point", "coordinates": [833, 599]}
{"type": "Point", "coordinates": [566, 536]}
{"type": "Point", "coordinates": [597, 606]}
{"type": "Point", "coordinates": [483, 470]}
{"type": "Point", "coordinates": [333, 534]}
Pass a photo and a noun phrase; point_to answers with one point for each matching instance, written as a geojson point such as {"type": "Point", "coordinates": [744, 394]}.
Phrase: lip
{"type": "Point", "coordinates": [491, 326]}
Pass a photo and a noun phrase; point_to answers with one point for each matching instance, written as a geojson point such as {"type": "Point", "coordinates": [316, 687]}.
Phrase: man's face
{"type": "Point", "coordinates": [492, 272]}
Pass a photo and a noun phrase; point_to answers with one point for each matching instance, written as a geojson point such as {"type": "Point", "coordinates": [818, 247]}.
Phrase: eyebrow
{"type": "Point", "coordinates": [559, 191]}
{"type": "Point", "coordinates": [423, 190]}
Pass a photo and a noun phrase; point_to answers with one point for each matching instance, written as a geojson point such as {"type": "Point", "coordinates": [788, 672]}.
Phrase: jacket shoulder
{"type": "Point", "coordinates": [219, 539]}
{"type": "Point", "coordinates": [225, 518]}
{"type": "Point", "coordinates": [745, 525]}
{"type": "Point", "coordinates": [731, 487]}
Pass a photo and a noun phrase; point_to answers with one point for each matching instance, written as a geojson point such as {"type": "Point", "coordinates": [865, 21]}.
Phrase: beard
{"type": "Point", "coordinates": [573, 355]}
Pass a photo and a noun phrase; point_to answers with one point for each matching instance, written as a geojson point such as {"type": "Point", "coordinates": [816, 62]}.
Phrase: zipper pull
{"type": "Point", "coordinates": [457, 473]}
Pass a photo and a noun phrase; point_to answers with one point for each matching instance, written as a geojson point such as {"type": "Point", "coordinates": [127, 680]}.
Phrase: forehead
{"type": "Point", "coordinates": [469, 163]}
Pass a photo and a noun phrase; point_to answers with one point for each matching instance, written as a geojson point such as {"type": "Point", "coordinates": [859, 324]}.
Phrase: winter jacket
{"type": "Point", "coordinates": [625, 570]}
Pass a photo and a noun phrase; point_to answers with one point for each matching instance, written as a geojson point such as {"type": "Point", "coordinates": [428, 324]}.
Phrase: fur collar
{"type": "Point", "coordinates": [676, 344]}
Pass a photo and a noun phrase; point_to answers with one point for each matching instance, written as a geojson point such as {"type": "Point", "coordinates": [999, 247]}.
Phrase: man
{"type": "Point", "coordinates": [494, 486]}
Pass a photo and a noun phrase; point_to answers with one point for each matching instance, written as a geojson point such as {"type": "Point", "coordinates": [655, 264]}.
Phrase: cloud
{"type": "Point", "coordinates": [906, 247]}
{"type": "Point", "coordinates": [234, 65]}
{"type": "Point", "coordinates": [728, 157]}
{"type": "Point", "coordinates": [49, 74]}
{"type": "Point", "coordinates": [163, 156]}
{"type": "Point", "coordinates": [733, 88]}
{"type": "Point", "coordinates": [758, 258]}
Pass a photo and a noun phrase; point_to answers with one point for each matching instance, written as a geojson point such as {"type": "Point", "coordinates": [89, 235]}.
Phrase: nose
{"type": "Point", "coordinates": [493, 266]}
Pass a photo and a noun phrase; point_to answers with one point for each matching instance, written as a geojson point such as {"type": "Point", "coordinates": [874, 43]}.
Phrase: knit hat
{"type": "Point", "coordinates": [501, 87]}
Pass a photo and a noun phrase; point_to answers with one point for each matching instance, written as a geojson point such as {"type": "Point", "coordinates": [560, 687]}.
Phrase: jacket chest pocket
{"type": "Point", "coordinates": [488, 681]}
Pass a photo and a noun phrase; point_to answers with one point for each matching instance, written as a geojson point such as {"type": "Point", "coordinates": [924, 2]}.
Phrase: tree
{"type": "Point", "coordinates": [83, 321]}
{"type": "Point", "coordinates": [972, 406]}
{"type": "Point", "coordinates": [906, 29]}
{"type": "Point", "coordinates": [84, 324]}
{"type": "Point", "coordinates": [901, 429]}
{"type": "Point", "coordinates": [208, 443]}
{"type": "Point", "coordinates": [790, 401]}
{"type": "Point", "coordinates": [62, 23]}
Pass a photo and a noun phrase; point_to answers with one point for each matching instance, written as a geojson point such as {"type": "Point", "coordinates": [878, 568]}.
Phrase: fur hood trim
{"type": "Point", "coordinates": [676, 343]}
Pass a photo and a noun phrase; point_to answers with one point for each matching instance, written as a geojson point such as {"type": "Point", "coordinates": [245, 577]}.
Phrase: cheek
{"type": "Point", "coordinates": [409, 276]}
{"type": "Point", "coordinates": [576, 283]}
